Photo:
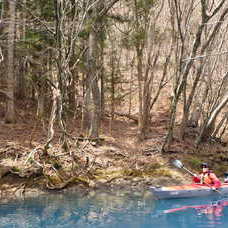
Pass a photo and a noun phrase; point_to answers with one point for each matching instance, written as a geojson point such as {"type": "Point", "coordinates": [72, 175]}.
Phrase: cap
{"type": "Point", "coordinates": [204, 165]}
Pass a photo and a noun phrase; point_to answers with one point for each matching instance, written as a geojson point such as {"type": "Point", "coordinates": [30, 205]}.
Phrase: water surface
{"type": "Point", "coordinates": [120, 209]}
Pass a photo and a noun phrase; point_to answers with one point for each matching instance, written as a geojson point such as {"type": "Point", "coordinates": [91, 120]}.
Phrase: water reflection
{"type": "Point", "coordinates": [214, 208]}
{"type": "Point", "coordinates": [197, 212]}
{"type": "Point", "coordinates": [120, 209]}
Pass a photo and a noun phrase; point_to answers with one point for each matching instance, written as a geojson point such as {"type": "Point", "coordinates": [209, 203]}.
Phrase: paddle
{"type": "Point", "coordinates": [179, 164]}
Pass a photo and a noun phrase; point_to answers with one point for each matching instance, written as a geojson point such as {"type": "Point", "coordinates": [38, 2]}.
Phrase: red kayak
{"type": "Point", "coordinates": [187, 191]}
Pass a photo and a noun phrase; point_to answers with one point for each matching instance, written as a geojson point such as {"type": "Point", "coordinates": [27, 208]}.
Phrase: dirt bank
{"type": "Point", "coordinates": [116, 160]}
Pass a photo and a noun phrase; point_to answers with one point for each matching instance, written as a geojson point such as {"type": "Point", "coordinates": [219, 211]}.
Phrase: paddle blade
{"type": "Point", "coordinates": [178, 164]}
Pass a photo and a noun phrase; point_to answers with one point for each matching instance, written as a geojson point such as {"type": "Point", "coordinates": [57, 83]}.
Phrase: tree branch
{"type": "Point", "coordinates": [204, 56]}
{"type": "Point", "coordinates": [106, 9]}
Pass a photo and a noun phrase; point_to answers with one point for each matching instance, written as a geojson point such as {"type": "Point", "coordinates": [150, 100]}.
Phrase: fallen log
{"type": "Point", "coordinates": [131, 117]}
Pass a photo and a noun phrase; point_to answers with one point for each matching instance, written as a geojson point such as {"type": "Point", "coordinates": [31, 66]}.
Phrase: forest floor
{"type": "Point", "coordinates": [116, 161]}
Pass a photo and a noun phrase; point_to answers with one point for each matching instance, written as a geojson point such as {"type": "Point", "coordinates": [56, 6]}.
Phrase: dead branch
{"type": "Point", "coordinates": [131, 117]}
{"type": "Point", "coordinates": [204, 56]}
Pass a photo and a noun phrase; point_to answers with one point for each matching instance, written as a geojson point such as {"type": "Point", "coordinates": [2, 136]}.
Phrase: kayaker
{"type": "Point", "coordinates": [207, 177]}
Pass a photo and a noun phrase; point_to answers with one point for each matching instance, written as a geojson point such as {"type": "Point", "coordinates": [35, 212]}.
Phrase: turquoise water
{"type": "Point", "coordinates": [120, 209]}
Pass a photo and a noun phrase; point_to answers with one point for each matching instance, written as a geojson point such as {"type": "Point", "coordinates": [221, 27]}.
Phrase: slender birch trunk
{"type": "Point", "coordinates": [10, 112]}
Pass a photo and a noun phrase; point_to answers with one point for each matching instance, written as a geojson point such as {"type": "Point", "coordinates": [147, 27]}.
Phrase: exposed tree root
{"type": "Point", "coordinates": [59, 186]}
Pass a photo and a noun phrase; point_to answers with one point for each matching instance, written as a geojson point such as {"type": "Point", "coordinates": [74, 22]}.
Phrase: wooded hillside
{"type": "Point", "coordinates": [67, 66]}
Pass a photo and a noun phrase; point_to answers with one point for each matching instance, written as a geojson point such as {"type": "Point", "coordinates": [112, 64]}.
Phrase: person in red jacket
{"type": "Point", "coordinates": [207, 177]}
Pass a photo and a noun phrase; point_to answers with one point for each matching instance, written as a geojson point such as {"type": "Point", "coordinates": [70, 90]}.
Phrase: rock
{"type": "Point", "coordinates": [4, 170]}
{"type": "Point", "coordinates": [137, 179]}
{"type": "Point", "coordinates": [92, 184]}
{"type": "Point", "coordinates": [33, 192]}
{"type": "Point", "coordinates": [102, 181]}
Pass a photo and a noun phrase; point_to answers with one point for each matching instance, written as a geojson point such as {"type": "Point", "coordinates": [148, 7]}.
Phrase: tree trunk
{"type": "Point", "coordinates": [209, 126]}
{"type": "Point", "coordinates": [93, 76]}
{"type": "Point", "coordinates": [92, 107]}
{"type": "Point", "coordinates": [10, 112]}
{"type": "Point", "coordinates": [86, 108]}
{"type": "Point", "coordinates": [141, 125]}
{"type": "Point", "coordinates": [221, 123]}
{"type": "Point", "coordinates": [21, 89]}
{"type": "Point", "coordinates": [40, 102]}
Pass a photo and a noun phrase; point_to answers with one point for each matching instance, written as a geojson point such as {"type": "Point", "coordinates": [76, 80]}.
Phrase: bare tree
{"type": "Point", "coordinates": [70, 18]}
{"type": "Point", "coordinates": [209, 125]}
{"type": "Point", "coordinates": [10, 112]}
{"type": "Point", "coordinates": [148, 40]}
{"type": "Point", "coordinates": [183, 16]}
{"type": "Point", "coordinates": [93, 97]}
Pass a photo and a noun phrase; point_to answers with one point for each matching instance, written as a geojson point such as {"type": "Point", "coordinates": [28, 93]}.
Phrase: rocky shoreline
{"type": "Point", "coordinates": [17, 188]}
{"type": "Point", "coordinates": [26, 172]}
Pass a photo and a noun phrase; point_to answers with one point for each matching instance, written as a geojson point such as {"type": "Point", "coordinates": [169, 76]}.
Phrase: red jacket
{"type": "Point", "coordinates": [207, 178]}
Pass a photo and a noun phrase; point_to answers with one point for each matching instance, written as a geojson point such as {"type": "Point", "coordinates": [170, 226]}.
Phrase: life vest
{"type": "Point", "coordinates": [207, 178]}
